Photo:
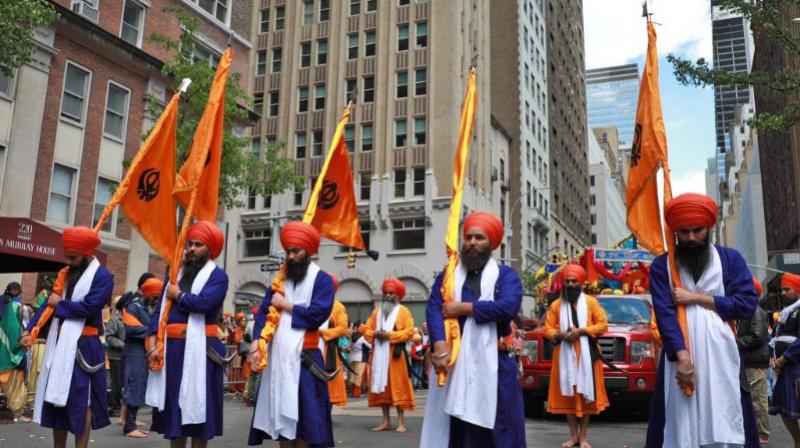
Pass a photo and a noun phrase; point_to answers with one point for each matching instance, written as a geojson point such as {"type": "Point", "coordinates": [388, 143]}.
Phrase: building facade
{"type": "Point", "coordinates": [71, 117]}
{"type": "Point", "coordinates": [569, 169]}
{"type": "Point", "coordinates": [608, 217]}
{"type": "Point", "coordinates": [519, 102]}
{"type": "Point", "coordinates": [407, 70]}
{"type": "Point", "coordinates": [612, 96]}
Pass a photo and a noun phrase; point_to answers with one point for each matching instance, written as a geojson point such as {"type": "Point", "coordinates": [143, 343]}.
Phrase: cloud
{"type": "Point", "coordinates": [691, 181]}
{"type": "Point", "coordinates": [615, 30]}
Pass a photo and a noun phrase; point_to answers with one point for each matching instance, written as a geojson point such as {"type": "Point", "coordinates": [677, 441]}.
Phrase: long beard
{"type": "Point", "coordinates": [572, 293]}
{"type": "Point", "coordinates": [386, 308]}
{"type": "Point", "coordinates": [74, 273]}
{"type": "Point", "coordinates": [474, 261]}
{"type": "Point", "coordinates": [695, 258]}
{"type": "Point", "coordinates": [296, 272]}
{"type": "Point", "coordinates": [191, 268]}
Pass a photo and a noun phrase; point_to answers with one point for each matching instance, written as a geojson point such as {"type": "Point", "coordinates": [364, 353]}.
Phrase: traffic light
{"type": "Point", "coordinates": [351, 260]}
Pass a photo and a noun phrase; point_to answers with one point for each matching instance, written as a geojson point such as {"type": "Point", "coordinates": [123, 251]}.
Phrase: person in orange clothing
{"type": "Point", "coordinates": [334, 328]}
{"type": "Point", "coordinates": [576, 376]}
{"type": "Point", "coordinates": [236, 376]}
{"type": "Point", "coordinates": [389, 328]}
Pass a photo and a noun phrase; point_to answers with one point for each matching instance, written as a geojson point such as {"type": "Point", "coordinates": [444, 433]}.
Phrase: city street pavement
{"type": "Point", "coordinates": [352, 425]}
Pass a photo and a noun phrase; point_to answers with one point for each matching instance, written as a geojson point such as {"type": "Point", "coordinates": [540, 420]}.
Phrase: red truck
{"type": "Point", "coordinates": [627, 345]}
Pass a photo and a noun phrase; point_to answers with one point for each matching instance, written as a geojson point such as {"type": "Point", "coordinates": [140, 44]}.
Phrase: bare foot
{"type": "Point", "coordinates": [585, 444]}
{"type": "Point", "coordinates": [119, 421]}
{"type": "Point", "coordinates": [23, 419]}
{"type": "Point", "coordinates": [136, 434]}
{"type": "Point", "coordinates": [569, 443]}
{"type": "Point", "coordinates": [401, 428]}
{"type": "Point", "coordinates": [382, 427]}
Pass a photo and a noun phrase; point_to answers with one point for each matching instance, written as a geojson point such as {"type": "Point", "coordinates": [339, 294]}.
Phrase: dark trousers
{"type": "Point", "coordinates": [130, 419]}
{"type": "Point", "coordinates": [117, 373]}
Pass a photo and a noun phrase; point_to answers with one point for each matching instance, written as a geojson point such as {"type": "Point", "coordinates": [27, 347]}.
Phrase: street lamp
{"type": "Point", "coordinates": [541, 257]}
{"type": "Point", "coordinates": [516, 204]}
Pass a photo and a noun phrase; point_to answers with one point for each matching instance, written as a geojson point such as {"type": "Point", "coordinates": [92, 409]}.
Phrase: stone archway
{"type": "Point", "coordinates": [249, 295]}
{"type": "Point", "coordinates": [357, 297]}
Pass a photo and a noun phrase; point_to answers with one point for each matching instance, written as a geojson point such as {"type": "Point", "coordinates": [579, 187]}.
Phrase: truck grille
{"type": "Point", "coordinates": [612, 349]}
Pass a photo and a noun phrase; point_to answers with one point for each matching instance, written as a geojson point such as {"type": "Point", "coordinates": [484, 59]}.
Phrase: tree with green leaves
{"type": "Point", "coordinates": [766, 17]}
{"type": "Point", "coordinates": [241, 170]}
{"type": "Point", "coordinates": [18, 22]}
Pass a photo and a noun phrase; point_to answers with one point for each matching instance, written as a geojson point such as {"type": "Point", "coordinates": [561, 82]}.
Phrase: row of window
{"type": "Point", "coordinates": [77, 84]}
{"type": "Point", "coordinates": [133, 13]}
{"type": "Point", "coordinates": [400, 137]}
{"type": "Point", "coordinates": [63, 194]}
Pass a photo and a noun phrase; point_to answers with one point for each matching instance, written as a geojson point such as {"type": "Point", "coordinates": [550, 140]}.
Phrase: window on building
{"type": "Point", "coordinates": [419, 181]}
{"type": "Point", "coordinates": [316, 144]}
{"type": "Point", "coordinates": [402, 84]}
{"type": "Point", "coordinates": [322, 51]}
{"type": "Point", "coordinates": [264, 28]}
{"type": "Point", "coordinates": [400, 183]}
{"type": "Point", "coordinates": [217, 8]}
{"type": "Point", "coordinates": [298, 197]}
{"type": "Point", "coordinates": [366, 182]}
{"type": "Point", "coordinates": [400, 133]}
{"type": "Point", "coordinates": [369, 43]}
{"type": "Point", "coordinates": [372, 5]}
{"type": "Point", "coordinates": [422, 34]}
{"type": "Point", "coordinates": [408, 234]}
{"type": "Point", "coordinates": [116, 111]}
{"type": "Point", "coordinates": [350, 88]}
{"type": "Point", "coordinates": [305, 54]}
{"type": "Point", "coordinates": [62, 185]}
{"type": "Point", "coordinates": [102, 196]}
{"type": "Point", "coordinates": [319, 97]}
{"type": "Point", "coordinates": [402, 37]}
{"type": "Point", "coordinates": [324, 10]}
{"type": "Point", "coordinates": [365, 231]}
{"type": "Point", "coordinates": [352, 46]}
{"type": "Point", "coordinates": [593, 200]}
{"type": "Point", "coordinates": [251, 198]}
{"type": "Point", "coordinates": [421, 82]}
{"type": "Point", "coordinates": [276, 60]}
{"type": "Point", "coordinates": [261, 63]}
{"type": "Point", "coordinates": [593, 219]}
{"type": "Point", "coordinates": [308, 12]}
{"type": "Point", "coordinates": [530, 235]}
{"type": "Point", "coordinates": [6, 85]}
{"type": "Point", "coordinates": [594, 238]}
{"type": "Point", "coordinates": [366, 137]}
{"type": "Point", "coordinates": [86, 8]}
{"type": "Point", "coordinates": [257, 242]}
{"type": "Point", "coordinates": [76, 90]}
{"type": "Point", "coordinates": [355, 7]}
{"type": "Point", "coordinates": [302, 99]}
{"type": "Point", "coordinates": [369, 89]}
{"type": "Point", "coordinates": [528, 192]}
{"type": "Point", "coordinates": [300, 145]}
{"type": "Point", "coordinates": [420, 137]}
{"type": "Point", "coordinates": [255, 148]}
{"type": "Point", "coordinates": [268, 201]}
{"type": "Point", "coordinates": [402, 2]}
{"type": "Point", "coordinates": [350, 138]}
{"type": "Point", "coordinates": [274, 103]}
{"type": "Point", "coordinates": [280, 12]}
{"type": "Point", "coordinates": [132, 20]}
{"type": "Point", "coordinates": [258, 102]}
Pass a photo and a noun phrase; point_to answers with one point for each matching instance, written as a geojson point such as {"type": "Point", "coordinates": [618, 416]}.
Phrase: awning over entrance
{"type": "Point", "coordinates": [27, 246]}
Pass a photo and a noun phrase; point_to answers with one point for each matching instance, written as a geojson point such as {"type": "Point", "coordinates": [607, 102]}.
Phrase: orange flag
{"type": "Point", "coordinates": [648, 155]}
{"type": "Point", "coordinates": [332, 206]}
{"type": "Point", "coordinates": [201, 169]}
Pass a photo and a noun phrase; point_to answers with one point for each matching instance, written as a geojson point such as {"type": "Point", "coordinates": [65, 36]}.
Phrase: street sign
{"type": "Point", "coordinates": [624, 255]}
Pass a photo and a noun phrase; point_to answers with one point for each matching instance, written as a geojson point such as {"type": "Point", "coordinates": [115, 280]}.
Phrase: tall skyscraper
{"type": "Point", "coordinates": [612, 94]}
{"type": "Point", "coordinates": [406, 62]}
{"type": "Point", "coordinates": [566, 89]}
{"type": "Point", "coordinates": [519, 104]}
{"type": "Point", "coordinates": [733, 52]}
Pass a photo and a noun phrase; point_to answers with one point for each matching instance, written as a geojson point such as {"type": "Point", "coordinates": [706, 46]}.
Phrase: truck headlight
{"type": "Point", "coordinates": [639, 351]}
{"type": "Point", "coordinates": [531, 349]}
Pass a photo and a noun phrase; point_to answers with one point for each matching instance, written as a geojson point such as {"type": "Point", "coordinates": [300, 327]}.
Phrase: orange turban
{"type": "Point", "coordinates": [394, 285]}
{"type": "Point", "coordinates": [691, 210]}
{"type": "Point", "coordinates": [490, 224]}
{"type": "Point", "coordinates": [574, 271]}
{"type": "Point", "coordinates": [152, 287]}
{"type": "Point", "coordinates": [335, 282]}
{"type": "Point", "coordinates": [302, 235]}
{"type": "Point", "coordinates": [79, 240]}
{"type": "Point", "coordinates": [791, 281]}
{"type": "Point", "coordinates": [240, 315]}
{"type": "Point", "coordinates": [757, 285]}
{"type": "Point", "coordinates": [209, 234]}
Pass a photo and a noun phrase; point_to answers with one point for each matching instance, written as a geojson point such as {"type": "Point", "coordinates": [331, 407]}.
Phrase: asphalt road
{"type": "Point", "coordinates": [352, 429]}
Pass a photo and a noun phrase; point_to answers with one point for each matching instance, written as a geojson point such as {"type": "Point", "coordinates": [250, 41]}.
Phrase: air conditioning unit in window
{"type": "Point", "coordinates": [86, 9]}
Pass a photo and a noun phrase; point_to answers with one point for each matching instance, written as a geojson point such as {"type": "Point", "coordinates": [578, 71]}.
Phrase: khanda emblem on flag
{"type": "Point", "coordinates": [148, 185]}
{"type": "Point", "coordinates": [328, 195]}
{"type": "Point", "coordinates": [636, 148]}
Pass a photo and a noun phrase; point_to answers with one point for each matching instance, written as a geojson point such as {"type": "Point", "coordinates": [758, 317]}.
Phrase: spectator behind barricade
{"type": "Point", "coordinates": [115, 340]}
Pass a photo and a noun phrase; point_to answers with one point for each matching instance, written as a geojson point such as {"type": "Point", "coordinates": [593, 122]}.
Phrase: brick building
{"type": "Point", "coordinates": [72, 116]}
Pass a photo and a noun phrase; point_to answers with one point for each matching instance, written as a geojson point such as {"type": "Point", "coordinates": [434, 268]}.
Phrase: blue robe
{"type": "Point", "coordinates": [784, 393]}
{"type": "Point", "coordinates": [314, 425]}
{"type": "Point", "coordinates": [84, 387]}
{"type": "Point", "coordinates": [209, 303]}
{"type": "Point", "coordinates": [740, 302]}
{"type": "Point", "coordinates": [136, 369]}
{"type": "Point", "coordinates": [509, 429]}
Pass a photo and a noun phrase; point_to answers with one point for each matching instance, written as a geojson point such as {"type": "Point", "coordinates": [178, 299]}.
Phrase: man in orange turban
{"type": "Point", "coordinates": [577, 388]}
{"type": "Point", "coordinates": [487, 297]}
{"type": "Point", "coordinates": [199, 294]}
{"type": "Point", "coordinates": [287, 408]}
{"type": "Point", "coordinates": [716, 287]}
{"type": "Point", "coordinates": [786, 361]}
{"type": "Point", "coordinates": [239, 369]}
{"type": "Point", "coordinates": [75, 398]}
{"type": "Point", "coordinates": [388, 329]}
{"type": "Point", "coordinates": [331, 331]}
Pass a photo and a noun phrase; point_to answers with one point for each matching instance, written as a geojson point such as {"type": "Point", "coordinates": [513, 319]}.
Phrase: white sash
{"type": "Point", "coordinates": [59, 352]}
{"type": "Point", "coordinates": [277, 405]}
{"type": "Point", "coordinates": [573, 373]}
{"type": "Point", "coordinates": [192, 394]}
{"type": "Point", "coordinates": [712, 415]}
{"type": "Point", "coordinates": [325, 325]}
{"type": "Point", "coordinates": [471, 392]}
{"type": "Point", "coordinates": [380, 355]}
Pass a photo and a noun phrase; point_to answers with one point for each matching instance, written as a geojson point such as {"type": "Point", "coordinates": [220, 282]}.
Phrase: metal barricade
{"type": "Point", "coordinates": [234, 377]}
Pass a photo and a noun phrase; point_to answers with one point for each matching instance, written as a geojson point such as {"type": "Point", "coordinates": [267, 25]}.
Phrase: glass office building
{"type": "Point", "coordinates": [612, 95]}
